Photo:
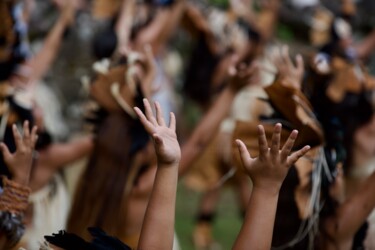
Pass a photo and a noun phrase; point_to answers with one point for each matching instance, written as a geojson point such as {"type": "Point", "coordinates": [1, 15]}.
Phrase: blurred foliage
{"type": "Point", "coordinates": [223, 4]}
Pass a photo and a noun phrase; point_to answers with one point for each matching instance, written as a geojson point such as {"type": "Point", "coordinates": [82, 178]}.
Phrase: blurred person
{"type": "Point", "coordinates": [14, 193]}
{"type": "Point", "coordinates": [139, 24]}
{"type": "Point", "coordinates": [127, 174]}
{"type": "Point", "coordinates": [223, 36]}
{"type": "Point", "coordinates": [49, 201]}
{"type": "Point", "coordinates": [49, 196]}
{"type": "Point", "coordinates": [268, 172]}
{"type": "Point", "coordinates": [341, 92]}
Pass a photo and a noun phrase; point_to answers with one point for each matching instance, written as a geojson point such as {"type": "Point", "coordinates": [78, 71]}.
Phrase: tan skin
{"type": "Point", "coordinates": [156, 34]}
{"type": "Point", "coordinates": [340, 228]}
{"type": "Point", "coordinates": [39, 64]}
{"type": "Point", "coordinates": [358, 202]}
{"type": "Point", "coordinates": [56, 156]}
{"type": "Point", "coordinates": [161, 207]}
{"type": "Point", "coordinates": [349, 216]}
{"type": "Point", "coordinates": [191, 150]}
{"type": "Point", "coordinates": [53, 158]}
{"type": "Point", "coordinates": [267, 173]}
{"type": "Point", "coordinates": [19, 162]}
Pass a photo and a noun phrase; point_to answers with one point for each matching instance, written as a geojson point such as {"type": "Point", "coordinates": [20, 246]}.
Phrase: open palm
{"type": "Point", "coordinates": [269, 170]}
{"type": "Point", "coordinates": [165, 139]}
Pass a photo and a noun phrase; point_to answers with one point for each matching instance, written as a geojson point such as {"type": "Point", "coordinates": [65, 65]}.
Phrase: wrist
{"type": "Point", "coordinates": [162, 164]}
{"type": "Point", "coordinates": [266, 191]}
{"type": "Point", "coordinates": [22, 178]}
{"type": "Point", "coordinates": [21, 181]}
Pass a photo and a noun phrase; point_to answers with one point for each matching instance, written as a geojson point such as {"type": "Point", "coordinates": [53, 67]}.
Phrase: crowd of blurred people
{"type": "Point", "coordinates": [290, 127]}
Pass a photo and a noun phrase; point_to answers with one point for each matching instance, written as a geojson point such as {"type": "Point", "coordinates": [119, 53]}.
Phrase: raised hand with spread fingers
{"type": "Point", "coordinates": [165, 139]}
{"type": "Point", "coordinates": [270, 168]}
{"type": "Point", "coordinates": [267, 172]}
{"type": "Point", "coordinates": [289, 74]}
{"type": "Point", "coordinates": [161, 207]}
{"type": "Point", "coordinates": [19, 162]}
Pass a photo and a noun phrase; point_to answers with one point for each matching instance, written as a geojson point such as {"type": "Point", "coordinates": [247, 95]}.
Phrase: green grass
{"type": "Point", "coordinates": [225, 227]}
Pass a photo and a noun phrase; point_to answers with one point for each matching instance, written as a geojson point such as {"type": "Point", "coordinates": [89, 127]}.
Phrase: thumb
{"type": "Point", "coordinates": [4, 149]}
{"type": "Point", "coordinates": [244, 153]}
{"type": "Point", "coordinates": [300, 62]}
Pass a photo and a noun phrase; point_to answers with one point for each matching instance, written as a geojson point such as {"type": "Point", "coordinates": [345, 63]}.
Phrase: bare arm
{"type": "Point", "coordinates": [124, 24]}
{"type": "Point", "coordinates": [158, 225]}
{"type": "Point", "coordinates": [207, 128]}
{"type": "Point", "coordinates": [42, 61]}
{"type": "Point", "coordinates": [267, 172]}
{"type": "Point", "coordinates": [200, 23]}
{"type": "Point", "coordinates": [58, 155]}
{"type": "Point", "coordinates": [365, 47]}
{"type": "Point", "coordinates": [352, 213]}
{"type": "Point", "coordinates": [161, 28]}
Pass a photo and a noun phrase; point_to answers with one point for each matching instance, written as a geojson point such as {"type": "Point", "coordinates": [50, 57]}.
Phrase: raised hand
{"type": "Point", "coordinates": [243, 75]}
{"type": "Point", "coordinates": [290, 75]}
{"type": "Point", "coordinates": [19, 162]}
{"type": "Point", "coordinates": [269, 170]}
{"type": "Point", "coordinates": [165, 139]}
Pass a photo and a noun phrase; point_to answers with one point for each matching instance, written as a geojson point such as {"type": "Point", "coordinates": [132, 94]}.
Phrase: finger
{"type": "Point", "coordinates": [288, 146]}
{"type": "Point", "coordinates": [34, 136]}
{"type": "Point", "coordinates": [17, 137]}
{"type": "Point", "coordinates": [286, 57]}
{"type": "Point", "coordinates": [159, 114]}
{"type": "Point", "coordinates": [5, 151]}
{"type": "Point", "coordinates": [172, 121]}
{"type": "Point", "coordinates": [276, 136]}
{"type": "Point", "coordinates": [150, 128]}
{"type": "Point", "coordinates": [244, 153]}
{"type": "Point", "coordinates": [296, 155]}
{"type": "Point", "coordinates": [276, 58]}
{"type": "Point", "coordinates": [149, 53]}
{"type": "Point", "coordinates": [148, 111]}
{"type": "Point", "coordinates": [26, 133]}
{"type": "Point", "coordinates": [262, 142]}
{"type": "Point", "coordinates": [300, 64]}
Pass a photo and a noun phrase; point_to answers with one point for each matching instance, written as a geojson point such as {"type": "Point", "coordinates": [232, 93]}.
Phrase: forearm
{"type": "Point", "coordinates": [257, 229]}
{"type": "Point", "coordinates": [161, 28]}
{"type": "Point", "coordinates": [206, 129]}
{"type": "Point", "coordinates": [45, 57]}
{"type": "Point", "coordinates": [158, 225]}
{"type": "Point", "coordinates": [59, 155]}
{"type": "Point", "coordinates": [354, 211]}
{"type": "Point", "coordinates": [123, 26]}
{"type": "Point", "coordinates": [366, 46]}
